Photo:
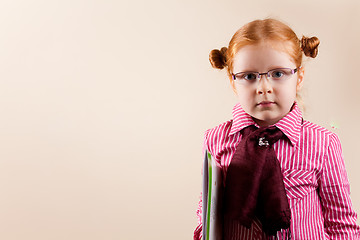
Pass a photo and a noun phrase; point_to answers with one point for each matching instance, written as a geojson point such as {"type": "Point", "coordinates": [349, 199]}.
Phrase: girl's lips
{"type": "Point", "coordinates": [265, 103]}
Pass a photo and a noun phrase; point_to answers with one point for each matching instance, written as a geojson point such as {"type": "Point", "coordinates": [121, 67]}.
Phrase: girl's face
{"type": "Point", "coordinates": [267, 101]}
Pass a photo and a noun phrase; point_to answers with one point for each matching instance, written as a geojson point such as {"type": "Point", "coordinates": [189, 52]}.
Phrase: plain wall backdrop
{"type": "Point", "coordinates": [104, 105]}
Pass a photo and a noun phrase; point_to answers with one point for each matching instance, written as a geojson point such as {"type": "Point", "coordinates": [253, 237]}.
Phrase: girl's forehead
{"type": "Point", "coordinates": [262, 57]}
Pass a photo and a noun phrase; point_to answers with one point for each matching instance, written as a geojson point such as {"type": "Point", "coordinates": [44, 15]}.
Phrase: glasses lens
{"type": "Point", "coordinates": [280, 74]}
{"type": "Point", "coordinates": [247, 76]}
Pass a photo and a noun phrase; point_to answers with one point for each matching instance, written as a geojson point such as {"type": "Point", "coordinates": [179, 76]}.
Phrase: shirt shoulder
{"type": "Point", "coordinates": [217, 136]}
{"type": "Point", "coordinates": [316, 129]}
{"type": "Point", "coordinates": [318, 134]}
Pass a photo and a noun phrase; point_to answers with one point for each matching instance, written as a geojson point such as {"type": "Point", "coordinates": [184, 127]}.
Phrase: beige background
{"type": "Point", "coordinates": [104, 105]}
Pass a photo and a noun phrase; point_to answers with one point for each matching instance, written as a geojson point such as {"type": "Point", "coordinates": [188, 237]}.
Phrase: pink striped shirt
{"type": "Point", "coordinates": [314, 173]}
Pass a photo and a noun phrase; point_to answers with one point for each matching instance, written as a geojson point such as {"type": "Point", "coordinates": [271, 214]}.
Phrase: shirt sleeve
{"type": "Point", "coordinates": [198, 229]}
{"type": "Point", "coordinates": [334, 191]}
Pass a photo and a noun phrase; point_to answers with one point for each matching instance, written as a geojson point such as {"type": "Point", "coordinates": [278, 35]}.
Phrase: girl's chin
{"type": "Point", "coordinates": [265, 121]}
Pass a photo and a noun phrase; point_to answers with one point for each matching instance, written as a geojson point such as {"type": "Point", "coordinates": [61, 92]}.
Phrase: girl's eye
{"type": "Point", "coordinates": [277, 74]}
{"type": "Point", "coordinates": [247, 76]}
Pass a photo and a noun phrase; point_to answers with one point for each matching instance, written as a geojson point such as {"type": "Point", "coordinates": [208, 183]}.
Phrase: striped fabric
{"type": "Point", "coordinates": [314, 173]}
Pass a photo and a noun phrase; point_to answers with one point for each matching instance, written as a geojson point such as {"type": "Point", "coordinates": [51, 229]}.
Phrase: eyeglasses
{"type": "Point", "coordinates": [274, 74]}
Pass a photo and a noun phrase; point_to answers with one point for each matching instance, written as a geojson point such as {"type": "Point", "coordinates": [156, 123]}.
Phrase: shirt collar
{"type": "Point", "coordinates": [290, 125]}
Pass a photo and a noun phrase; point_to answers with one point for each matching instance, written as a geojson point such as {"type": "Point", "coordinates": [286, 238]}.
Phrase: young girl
{"type": "Point", "coordinates": [284, 177]}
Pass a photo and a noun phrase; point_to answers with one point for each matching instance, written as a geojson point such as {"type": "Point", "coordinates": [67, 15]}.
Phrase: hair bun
{"type": "Point", "coordinates": [310, 46]}
{"type": "Point", "coordinates": [217, 58]}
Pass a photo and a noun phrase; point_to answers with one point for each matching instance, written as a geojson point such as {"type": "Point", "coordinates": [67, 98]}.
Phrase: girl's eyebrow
{"type": "Point", "coordinates": [271, 68]}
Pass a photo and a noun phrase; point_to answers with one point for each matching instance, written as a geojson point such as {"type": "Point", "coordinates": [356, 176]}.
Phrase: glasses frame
{"type": "Point", "coordinates": [267, 74]}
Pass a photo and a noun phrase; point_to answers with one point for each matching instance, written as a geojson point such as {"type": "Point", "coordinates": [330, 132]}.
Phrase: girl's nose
{"type": "Point", "coordinates": [264, 86]}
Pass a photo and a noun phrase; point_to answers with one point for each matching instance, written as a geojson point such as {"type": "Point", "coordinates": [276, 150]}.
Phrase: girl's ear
{"type": "Point", "coordinates": [300, 79]}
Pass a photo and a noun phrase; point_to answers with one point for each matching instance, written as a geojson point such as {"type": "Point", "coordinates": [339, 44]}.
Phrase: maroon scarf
{"type": "Point", "coordinates": [254, 182]}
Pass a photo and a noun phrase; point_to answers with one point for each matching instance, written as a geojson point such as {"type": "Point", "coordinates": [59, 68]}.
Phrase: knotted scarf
{"type": "Point", "coordinates": [254, 182]}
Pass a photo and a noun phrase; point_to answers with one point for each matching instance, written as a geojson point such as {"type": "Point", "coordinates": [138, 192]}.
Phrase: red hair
{"type": "Point", "coordinates": [260, 31]}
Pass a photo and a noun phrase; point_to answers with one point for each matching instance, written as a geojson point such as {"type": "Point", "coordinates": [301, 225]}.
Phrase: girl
{"type": "Point", "coordinates": [284, 177]}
